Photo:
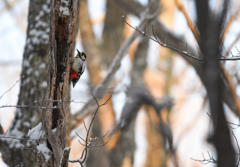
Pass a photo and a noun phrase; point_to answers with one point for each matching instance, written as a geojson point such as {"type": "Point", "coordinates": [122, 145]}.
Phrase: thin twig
{"type": "Point", "coordinates": [232, 44]}
{"type": "Point", "coordinates": [88, 143]}
{"type": "Point", "coordinates": [11, 87]}
{"type": "Point", "coordinates": [20, 138]}
{"type": "Point", "coordinates": [191, 25]}
{"type": "Point", "coordinates": [206, 160]}
{"type": "Point", "coordinates": [32, 105]}
{"type": "Point", "coordinates": [85, 126]}
{"type": "Point", "coordinates": [155, 39]}
{"type": "Point", "coordinates": [238, 159]}
{"type": "Point", "coordinates": [80, 137]}
{"type": "Point", "coordinates": [230, 123]}
{"type": "Point", "coordinates": [228, 25]}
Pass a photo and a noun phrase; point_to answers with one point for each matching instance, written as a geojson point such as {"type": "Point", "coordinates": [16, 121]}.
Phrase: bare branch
{"type": "Point", "coordinates": [230, 123]}
{"type": "Point", "coordinates": [158, 41]}
{"type": "Point", "coordinates": [25, 106]}
{"type": "Point", "coordinates": [237, 49]}
{"type": "Point", "coordinates": [189, 21]}
{"type": "Point", "coordinates": [33, 104]}
{"type": "Point", "coordinates": [231, 87]}
{"type": "Point", "coordinates": [85, 126]}
{"type": "Point", "coordinates": [161, 44]}
{"type": "Point", "coordinates": [80, 137]}
{"type": "Point", "coordinates": [106, 101]}
{"type": "Point", "coordinates": [236, 142]}
{"type": "Point", "coordinates": [206, 160]}
{"type": "Point", "coordinates": [155, 39]}
{"type": "Point", "coordinates": [81, 143]}
{"type": "Point", "coordinates": [227, 27]}
{"type": "Point", "coordinates": [11, 87]}
{"type": "Point", "coordinates": [88, 140]}
{"type": "Point", "coordinates": [232, 44]}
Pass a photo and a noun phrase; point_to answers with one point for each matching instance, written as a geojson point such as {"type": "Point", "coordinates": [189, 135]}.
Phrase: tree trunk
{"type": "Point", "coordinates": [90, 44]}
{"type": "Point", "coordinates": [33, 86]}
{"type": "Point", "coordinates": [210, 29]}
{"type": "Point", "coordinates": [112, 33]}
{"type": "Point", "coordinates": [63, 23]}
{"type": "Point", "coordinates": [101, 56]}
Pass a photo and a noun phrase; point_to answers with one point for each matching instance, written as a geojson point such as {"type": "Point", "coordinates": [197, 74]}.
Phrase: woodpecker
{"type": "Point", "coordinates": [77, 67]}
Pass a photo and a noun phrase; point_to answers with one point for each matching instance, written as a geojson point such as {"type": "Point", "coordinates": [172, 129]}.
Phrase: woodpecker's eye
{"type": "Point", "coordinates": [84, 57]}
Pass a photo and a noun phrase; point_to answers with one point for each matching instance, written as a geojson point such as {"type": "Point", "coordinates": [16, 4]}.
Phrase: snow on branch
{"type": "Point", "coordinates": [35, 134]}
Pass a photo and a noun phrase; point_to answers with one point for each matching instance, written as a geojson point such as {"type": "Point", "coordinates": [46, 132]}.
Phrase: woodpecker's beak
{"type": "Point", "coordinates": [78, 52]}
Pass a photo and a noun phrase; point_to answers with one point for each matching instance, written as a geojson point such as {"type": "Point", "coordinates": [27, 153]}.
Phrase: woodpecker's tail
{"type": "Point", "coordinates": [74, 81]}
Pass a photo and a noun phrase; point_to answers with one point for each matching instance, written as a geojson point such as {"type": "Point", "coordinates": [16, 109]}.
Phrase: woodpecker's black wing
{"type": "Point", "coordinates": [74, 81]}
{"type": "Point", "coordinates": [81, 70]}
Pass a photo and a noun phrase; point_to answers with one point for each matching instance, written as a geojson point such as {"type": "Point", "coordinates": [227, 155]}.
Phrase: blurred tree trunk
{"type": "Point", "coordinates": [210, 28]}
{"type": "Point", "coordinates": [63, 28]}
{"type": "Point", "coordinates": [156, 154]}
{"type": "Point", "coordinates": [101, 57]}
{"type": "Point", "coordinates": [125, 147]}
{"type": "Point", "coordinates": [90, 44]}
{"type": "Point", "coordinates": [174, 41]}
{"type": "Point", "coordinates": [33, 86]}
{"type": "Point", "coordinates": [112, 33]}
{"type": "Point", "coordinates": [97, 156]}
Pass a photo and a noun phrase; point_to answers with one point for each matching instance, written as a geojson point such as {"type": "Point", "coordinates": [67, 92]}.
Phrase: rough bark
{"type": "Point", "coordinates": [63, 23]}
{"type": "Point", "coordinates": [33, 86]}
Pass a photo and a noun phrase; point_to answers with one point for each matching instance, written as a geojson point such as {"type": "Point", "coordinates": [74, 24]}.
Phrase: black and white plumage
{"type": "Point", "coordinates": [77, 67]}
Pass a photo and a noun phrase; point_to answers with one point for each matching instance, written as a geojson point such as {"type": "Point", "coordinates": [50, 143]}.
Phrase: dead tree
{"type": "Point", "coordinates": [63, 23]}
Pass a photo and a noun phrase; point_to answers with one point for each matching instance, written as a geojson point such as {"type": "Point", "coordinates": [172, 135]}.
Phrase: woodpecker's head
{"type": "Point", "coordinates": [81, 55]}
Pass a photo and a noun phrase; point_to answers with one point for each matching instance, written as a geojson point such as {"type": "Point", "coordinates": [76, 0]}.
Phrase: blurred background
{"type": "Point", "coordinates": [163, 72]}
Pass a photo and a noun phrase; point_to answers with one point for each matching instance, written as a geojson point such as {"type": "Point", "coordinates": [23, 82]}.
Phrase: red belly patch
{"type": "Point", "coordinates": [73, 75]}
